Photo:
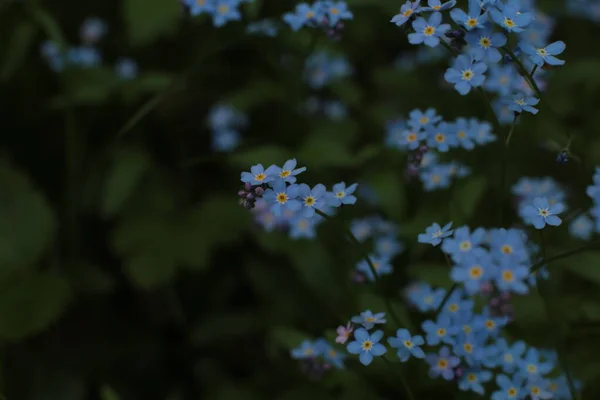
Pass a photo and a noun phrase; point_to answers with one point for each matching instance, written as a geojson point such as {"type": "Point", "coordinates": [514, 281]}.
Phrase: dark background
{"type": "Point", "coordinates": [127, 269]}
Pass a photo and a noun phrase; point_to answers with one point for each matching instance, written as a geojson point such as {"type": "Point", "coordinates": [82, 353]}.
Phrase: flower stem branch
{"type": "Point", "coordinates": [372, 268]}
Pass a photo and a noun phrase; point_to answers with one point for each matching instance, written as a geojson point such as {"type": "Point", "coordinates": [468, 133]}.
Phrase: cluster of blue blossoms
{"type": "Point", "coordinates": [86, 55]}
{"type": "Point", "coordinates": [225, 123]}
{"type": "Point", "coordinates": [484, 56]}
{"type": "Point", "coordinates": [279, 202]}
{"type": "Point", "coordinates": [425, 131]}
{"type": "Point", "coordinates": [326, 15]}
{"type": "Point", "coordinates": [322, 69]}
{"type": "Point", "coordinates": [463, 342]}
{"type": "Point", "coordinates": [221, 11]}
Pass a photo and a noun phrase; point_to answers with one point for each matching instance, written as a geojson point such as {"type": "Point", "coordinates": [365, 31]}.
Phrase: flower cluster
{"type": "Point", "coordinates": [278, 200]}
{"type": "Point", "coordinates": [425, 131]}
{"type": "Point", "coordinates": [327, 15]}
{"type": "Point", "coordinates": [539, 200]}
{"type": "Point", "coordinates": [385, 247]}
{"type": "Point", "coordinates": [221, 11]}
{"type": "Point", "coordinates": [321, 69]}
{"type": "Point", "coordinates": [87, 54]}
{"type": "Point", "coordinates": [225, 123]}
{"type": "Point", "coordinates": [484, 58]}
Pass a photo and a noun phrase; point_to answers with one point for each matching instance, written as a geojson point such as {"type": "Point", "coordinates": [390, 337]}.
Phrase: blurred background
{"type": "Point", "coordinates": [128, 270]}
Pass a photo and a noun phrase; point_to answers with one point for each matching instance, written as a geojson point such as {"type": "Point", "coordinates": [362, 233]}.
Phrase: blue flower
{"type": "Point", "coordinates": [511, 19]}
{"type": "Point", "coordinates": [442, 331]}
{"type": "Point", "coordinates": [311, 198]}
{"type": "Point", "coordinates": [302, 227]}
{"type": "Point", "coordinates": [464, 242]}
{"type": "Point", "coordinates": [509, 389]}
{"type": "Point", "coordinates": [472, 271]}
{"type": "Point", "coordinates": [435, 233]}
{"type": "Point", "coordinates": [366, 345]}
{"type": "Point", "coordinates": [92, 30]}
{"type": "Point", "coordinates": [406, 11]}
{"type": "Point", "coordinates": [470, 347]}
{"type": "Point", "coordinates": [465, 73]}
{"type": "Point", "coordinates": [337, 11]}
{"type": "Point", "coordinates": [305, 350]}
{"type": "Point", "coordinates": [544, 55]}
{"type": "Point", "coordinates": [475, 19]}
{"type": "Point", "coordinates": [437, 5]}
{"type": "Point", "coordinates": [457, 303]}
{"type": "Point", "coordinates": [126, 69]}
{"type": "Point", "coordinates": [289, 171]}
{"type": "Point", "coordinates": [511, 276]}
{"type": "Point", "coordinates": [388, 246]}
{"type": "Point", "coordinates": [329, 353]}
{"type": "Point", "coordinates": [407, 345]}
{"type": "Point", "coordinates": [507, 357]}
{"type": "Point", "coordinates": [442, 364]}
{"type": "Point", "coordinates": [225, 140]}
{"type": "Point", "coordinates": [225, 11]}
{"type": "Point", "coordinates": [428, 32]}
{"type": "Point", "coordinates": [531, 367]}
{"type": "Point", "coordinates": [440, 138]}
{"type": "Point", "coordinates": [482, 132]}
{"type": "Point", "coordinates": [484, 44]}
{"type": "Point", "coordinates": [265, 27]}
{"type": "Point", "coordinates": [302, 15]}
{"type": "Point", "coordinates": [419, 120]}
{"type": "Point", "coordinates": [502, 79]}
{"type": "Point", "coordinates": [464, 133]}
{"type": "Point", "coordinates": [581, 227]}
{"type": "Point", "coordinates": [368, 319]}
{"type": "Point", "coordinates": [258, 175]}
{"type": "Point", "coordinates": [473, 379]}
{"type": "Point", "coordinates": [381, 265]}
{"type": "Point", "coordinates": [427, 299]}
{"type": "Point", "coordinates": [436, 177]}
{"type": "Point", "coordinates": [520, 103]}
{"type": "Point", "coordinates": [541, 213]}
{"type": "Point", "coordinates": [489, 325]}
{"type": "Point", "coordinates": [538, 389]}
{"type": "Point", "coordinates": [198, 7]}
{"type": "Point", "coordinates": [282, 197]}
{"type": "Point", "coordinates": [341, 195]}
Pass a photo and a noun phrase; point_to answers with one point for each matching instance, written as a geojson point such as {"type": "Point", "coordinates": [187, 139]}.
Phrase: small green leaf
{"type": "Point", "coordinates": [30, 302]}
{"type": "Point", "coordinates": [149, 19]}
{"type": "Point", "coordinates": [21, 40]}
{"type": "Point", "coordinates": [265, 155]}
{"type": "Point", "coordinates": [126, 171]}
{"type": "Point", "coordinates": [468, 195]}
{"type": "Point", "coordinates": [28, 224]}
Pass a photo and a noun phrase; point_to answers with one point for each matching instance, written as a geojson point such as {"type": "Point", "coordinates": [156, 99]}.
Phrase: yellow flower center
{"type": "Point", "coordinates": [485, 42]}
{"type": "Point", "coordinates": [310, 14]}
{"type": "Point", "coordinates": [467, 329]}
{"type": "Point", "coordinates": [509, 23]}
{"type": "Point", "coordinates": [508, 358]}
{"type": "Point", "coordinates": [532, 369]}
{"type": "Point", "coordinates": [441, 332]}
{"type": "Point", "coordinates": [332, 353]}
{"type": "Point", "coordinates": [442, 363]}
{"type": "Point", "coordinates": [282, 198]}
{"type": "Point", "coordinates": [429, 30]}
{"type": "Point", "coordinates": [411, 137]}
{"type": "Point", "coordinates": [423, 120]}
{"type": "Point", "coordinates": [436, 178]}
{"type": "Point", "coordinates": [285, 173]}
{"type": "Point", "coordinates": [508, 276]}
{"type": "Point", "coordinates": [520, 102]}
{"type": "Point", "coordinates": [467, 75]}
{"type": "Point", "coordinates": [408, 344]}
{"type": "Point", "coordinates": [223, 9]}
{"type": "Point", "coordinates": [461, 134]}
{"type": "Point", "coordinates": [465, 246]}
{"type": "Point", "coordinates": [308, 351]}
{"type": "Point", "coordinates": [542, 52]}
{"type": "Point", "coordinates": [200, 2]}
{"type": "Point", "coordinates": [260, 177]}
{"type": "Point", "coordinates": [340, 194]}
{"type": "Point", "coordinates": [453, 307]}
{"type": "Point", "coordinates": [468, 347]}
{"type": "Point", "coordinates": [471, 377]}
{"type": "Point", "coordinates": [428, 300]}
{"type": "Point", "coordinates": [408, 12]}
{"type": "Point", "coordinates": [471, 22]}
{"type": "Point", "coordinates": [512, 392]}
{"type": "Point", "coordinates": [303, 224]}
{"type": "Point", "coordinates": [535, 390]}
{"type": "Point", "coordinates": [309, 201]}
{"type": "Point", "coordinates": [506, 249]}
{"type": "Point", "coordinates": [367, 345]}
{"type": "Point", "coordinates": [334, 11]}
{"type": "Point", "coordinates": [436, 7]}
{"type": "Point", "coordinates": [440, 138]}
{"type": "Point", "coordinates": [475, 272]}
{"type": "Point", "coordinates": [490, 324]}
{"type": "Point", "coordinates": [544, 212]}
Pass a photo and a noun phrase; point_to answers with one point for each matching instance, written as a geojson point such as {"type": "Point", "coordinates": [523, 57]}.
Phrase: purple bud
{"type": "Point", "coordinates": [247, 186]}
{"type": "Point", "coordinates": [259, 191]}
{"type": "Point", "coordinates": [250, 196]}
{"type": "Point", "coordinates": [455, 34]}
{"type": "Point", "coordinates": [242, 193]}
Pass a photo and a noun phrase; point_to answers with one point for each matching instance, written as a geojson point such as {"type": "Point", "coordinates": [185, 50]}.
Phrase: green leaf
{"type": "Point", "coordinates": [265, 155]}
{"type": "Point", "coordinates": [149, 19]}
{"type": "Point", "coordinates": [28, 224]}
{"type": "Point", "coordinates": [467, 196]}
{"type": "Point", "coordinates": [321, 152]}
{"type": "Point", "coordinates": [126, 171]}
{"type": "Point", "coordinates": [288, 338]}
{"type": "Point", "coordinates": [21, 40]}
{"type": "Point", "coordinates": [435, 274]}
{"type": "Point", "coordinates": [389, 187]}
{"type": "Point", "coordinates": [149, 271]}
{"type": "Point", "coordinates": [108, 393]}
{"type": "Point", "coordinates": [30, 302]}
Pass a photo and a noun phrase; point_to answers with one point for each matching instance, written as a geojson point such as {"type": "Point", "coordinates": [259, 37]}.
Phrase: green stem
{"type": "Point", "coordinates": [560, 349]}
{"type": "Point", "coordinates": [512, 129]}
{"type": "Point", "coordinates": [372, 268]}
{"type": "Point", "coordinates": [535, 267]}
{"type": "Point", "coordinates": [445, 299]}
{"type": "Point", "coordinates": [403, 380]}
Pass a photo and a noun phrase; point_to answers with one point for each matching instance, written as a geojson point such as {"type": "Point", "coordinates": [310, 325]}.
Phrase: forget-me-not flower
{"type": "Point", "coordinates": [366, 345]}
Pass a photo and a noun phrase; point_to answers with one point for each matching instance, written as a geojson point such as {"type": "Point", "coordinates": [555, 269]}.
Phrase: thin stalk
{"type": "Point", "coordinates": [372, 268]}
{"type": "Point", "coordinates": [560, 350]}
{"type": "Point", "coordinates": [512, 129]}
{"type": "Point", "coordinates": [540, 264]}
{"type": "Point", "coordinates": [403, 380]}
{"type": "Point", "coordinates": [450, 292]}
